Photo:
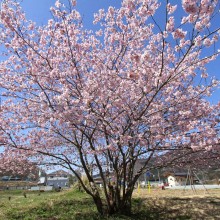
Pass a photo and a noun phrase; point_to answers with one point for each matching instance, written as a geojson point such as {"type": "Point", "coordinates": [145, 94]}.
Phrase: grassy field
{"type": "Point", "coordinates": [67, 205]}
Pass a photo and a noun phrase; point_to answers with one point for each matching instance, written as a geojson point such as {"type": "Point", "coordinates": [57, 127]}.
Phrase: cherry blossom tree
{"type": "Point", "coordinates": [11, 166]}
{"type": "Point", "coordinates": [91, 100]}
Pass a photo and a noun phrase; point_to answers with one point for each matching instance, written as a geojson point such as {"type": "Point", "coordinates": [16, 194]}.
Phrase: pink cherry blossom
{"type": "Point", "coordinates": [179, 33]}
{"type": "Point", "coordinates": [170, 24]}
{"type": "Point", "coordinates": [190, 6]}
{"type": "Point", "coordinates": [171, 8]}
{"type": "Point", "coordinates": [207, 42]}
{"type": "Point", "coordinates": [134, 89]}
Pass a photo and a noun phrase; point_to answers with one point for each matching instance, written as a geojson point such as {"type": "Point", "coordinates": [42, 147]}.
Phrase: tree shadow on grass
{"type": "Point", "coordinates": [178, 208]}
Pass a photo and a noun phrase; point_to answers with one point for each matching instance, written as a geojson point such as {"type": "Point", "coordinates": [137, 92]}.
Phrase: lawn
{"type": "Point", "coordinates": [45, 205]}
{"type": "Point", "coordinates": [67, 205]}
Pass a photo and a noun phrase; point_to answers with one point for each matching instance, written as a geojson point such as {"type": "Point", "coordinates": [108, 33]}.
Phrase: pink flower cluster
{"type": "Point", "coordinates": [170, 24]}
{"type": "Point", "coordinates": [171, 8]}
{"type": "Point", "coordinates": [179, 33]}
{"type": "Point", "coordinates": [190, 6]}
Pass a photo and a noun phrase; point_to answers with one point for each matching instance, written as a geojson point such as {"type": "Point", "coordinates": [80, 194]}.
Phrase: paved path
{"type": "Point", "coordinates": [196, 187]}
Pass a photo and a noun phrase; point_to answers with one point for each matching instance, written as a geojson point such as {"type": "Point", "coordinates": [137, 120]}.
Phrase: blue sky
{"type": "Point", "coordinates": [38, 10]}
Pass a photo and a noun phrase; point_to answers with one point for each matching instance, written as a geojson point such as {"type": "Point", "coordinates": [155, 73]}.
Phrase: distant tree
{"type": "Point", "coordinates": [72, 179]}
{"type": "Point", "coordinates": [136, 88]}
{"type": "Point", "coordinates": [24, 169]}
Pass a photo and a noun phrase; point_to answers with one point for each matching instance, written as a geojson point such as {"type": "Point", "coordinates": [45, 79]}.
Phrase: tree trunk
{"type": "Point", "coordinates": [118, 204]}
{"type": "Point", "coordinates": [123, 207]}
{"type": "Point", "coordinates": [115, 206]}
{"type": "Point", "coordinates": [125, 204]}
{"type": "Point", "coordinates": [98, 202]}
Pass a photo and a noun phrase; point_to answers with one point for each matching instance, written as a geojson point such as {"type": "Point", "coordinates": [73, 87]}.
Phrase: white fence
{"type": "Point", "coordinates": [43, 188]}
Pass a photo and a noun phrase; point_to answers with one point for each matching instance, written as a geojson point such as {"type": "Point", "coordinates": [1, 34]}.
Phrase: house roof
{"type": "Point", "coordinates": [58, 173]}
{"type": "Point", "coordinates": [180, 174]}
{"type": "Point", "coordinates": [98, 176]}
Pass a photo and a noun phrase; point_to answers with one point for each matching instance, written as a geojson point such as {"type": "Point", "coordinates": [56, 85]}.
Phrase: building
{"type": "Point", "coordinates": [26, 175]}
{"type": "Point", "coordinates": [12, 181]}
{"type": "Point", "coordinates": [58, 179]}
{"type": "Point", "coordinates": [10, 178]}
{"type": "Point", "coordinates": [98, 179]}
{"type": "Point", "coordinates": [180, 179]}
{"type": "Point", "coordinates": [109, 173]}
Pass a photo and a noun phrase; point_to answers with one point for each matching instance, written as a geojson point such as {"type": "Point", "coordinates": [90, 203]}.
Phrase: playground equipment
{"type": "Point", "coordinates": [189, 178]}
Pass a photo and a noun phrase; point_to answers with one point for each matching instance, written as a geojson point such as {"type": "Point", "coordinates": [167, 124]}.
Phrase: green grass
{"type": "Point", "coordinates": [47, 205]}
{"type": "Point", "coordinates": [67, 205]}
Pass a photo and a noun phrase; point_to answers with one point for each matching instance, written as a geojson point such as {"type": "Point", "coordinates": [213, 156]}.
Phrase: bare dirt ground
{"type": "Point", "coordinates": [180, 204]}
